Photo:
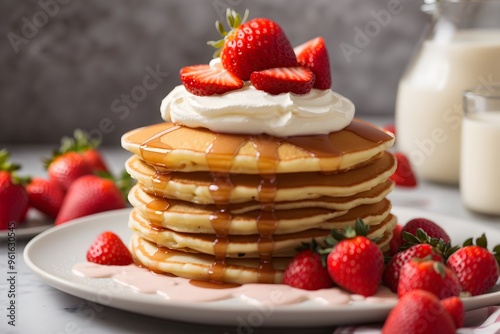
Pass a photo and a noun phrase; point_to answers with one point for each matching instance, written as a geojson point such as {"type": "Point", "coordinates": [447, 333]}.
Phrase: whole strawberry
{"type": "Point", "coordinates": [420, 312]}
{"type": "Point", "coordinates": [65, 168]}
{"type": "Point", "coordinates": [82, 143]}
{"type": "Point", "coordinates": [429, 275]}
{"type": "Point", "coordinates": [14, 202]}
{"type": "Point", "coordinates": [251, 46]}
{"type": "Point", "coordinates": [455, 308]}
{"type": "Point", "coordinates": [109, 249]}
{"type": "Point", "coordinates": [475, 267]}
{"type": "Point", "coordinates": [88, 195]}
{"type": "Point", "coordinates": [306, 271]}
{"type": "Point", "coordinates": [45, 196]}
{"type": "Point", "coordinates": [395, 243]}
{"type": "Point", "coordinates": [356, 263]}
{"type": "Point", "coordinates": [313, 54]}
{"type": "Point", "coordinates": [432, 229]}
{"type": "Point", "coordinates": [392, 270]}
{"type": "Point", "coordinates": [404, 175]}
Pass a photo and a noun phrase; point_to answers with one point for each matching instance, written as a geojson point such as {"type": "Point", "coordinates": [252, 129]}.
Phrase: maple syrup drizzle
{"type": "Point", "coordinates": [220, 155]}
{"type": "Point", "coordinates": [155, 209]}
{"type": "Point", "coordinates": [149, 148]}
{"type": "Point", "coordinates": [321, 147]}
{"type": "Point", "coordinates": [368, 131]}
{"type": "Point", "coordinates": [267, 162]}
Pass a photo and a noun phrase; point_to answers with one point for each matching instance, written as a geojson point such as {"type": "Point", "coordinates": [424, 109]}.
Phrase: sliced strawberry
{"type": "Point", "coordinates": [314, 55]}
{"type": "Point", "coordinates": [109, 249]}
{"type": "Point", "coordinates": [403, 176]}
{"type": "Point", "coordinates": [204, 80]}
{"type": "Point", "coordinates": [45, 196]}
{"type": "Point", "coordinates": [297, 80]}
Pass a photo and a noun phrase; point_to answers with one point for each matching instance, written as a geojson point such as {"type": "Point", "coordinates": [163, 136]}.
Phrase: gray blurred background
{"type": "Point", "coordinates": [104, 66]}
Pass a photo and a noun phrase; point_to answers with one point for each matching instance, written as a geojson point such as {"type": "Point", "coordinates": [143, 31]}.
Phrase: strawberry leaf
{"type": "Point", "coordinates": [482, 241]}
{"type": "Point", "coordinates": [361, 228]}
{"type": "Point", "coordinates": [496, 253]}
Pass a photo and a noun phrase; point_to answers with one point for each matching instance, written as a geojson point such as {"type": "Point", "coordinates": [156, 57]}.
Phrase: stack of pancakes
{"type": "Point", "coordinates": [234, 208]}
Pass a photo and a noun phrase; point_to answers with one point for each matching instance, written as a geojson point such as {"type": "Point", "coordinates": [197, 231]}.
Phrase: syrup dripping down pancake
{"type": "Point", "coordinates": [179, 148]}
{"type": "Point", "coordinates": [197, 266]}
{"type": "Point", "coordinates": [186, 217]}
{"type": "Point", "coordinates": [195, 187]}
{"type": "Point", "coordinates": [248, 245]}
{"type": "Point", "coordinates": [193, 265]}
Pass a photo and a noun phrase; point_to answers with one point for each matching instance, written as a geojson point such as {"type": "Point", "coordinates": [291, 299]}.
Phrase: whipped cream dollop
{"type": "Point", "coordinates": [252, 111]}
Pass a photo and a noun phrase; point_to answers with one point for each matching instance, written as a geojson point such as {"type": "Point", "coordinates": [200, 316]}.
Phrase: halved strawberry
{"type": "Point", "coordinates": [204, 80]}
{"type": "Point", "coordinates": [297, 80]}
{"type": "Point", "coordinates": [314, 55]}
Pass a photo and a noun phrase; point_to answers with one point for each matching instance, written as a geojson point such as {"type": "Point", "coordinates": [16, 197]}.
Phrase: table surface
{"type": "Point", "coordinates": [43, 309]}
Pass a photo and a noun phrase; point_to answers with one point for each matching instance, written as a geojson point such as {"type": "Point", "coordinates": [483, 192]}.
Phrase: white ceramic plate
{"type": "Point", "coordinates": [52, 254]}
{"type": "Point", "coordinates": [35, 223]}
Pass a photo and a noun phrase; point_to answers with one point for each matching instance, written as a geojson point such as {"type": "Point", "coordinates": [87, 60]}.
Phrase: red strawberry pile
{"type": "Point", "coordinates": [78, 183]}
{"type": "Point", "coordinates": [428, 274]}
{"type": "Point", "coordinates": [259, 51]}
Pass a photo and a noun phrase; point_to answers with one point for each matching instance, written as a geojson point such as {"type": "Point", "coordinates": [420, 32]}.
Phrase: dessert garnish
{"type": "Point", "coordinates": [109, 249]}
{"type": "Point", "coordinates": [260, 52]}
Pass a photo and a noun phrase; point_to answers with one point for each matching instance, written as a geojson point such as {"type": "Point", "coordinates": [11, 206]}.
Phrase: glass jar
{"type": "Point", "coordinates": [460, 50]}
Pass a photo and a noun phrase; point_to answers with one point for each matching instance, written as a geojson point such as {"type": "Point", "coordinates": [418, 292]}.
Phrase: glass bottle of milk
{"type": "Point", "coordinates": [460, 50]}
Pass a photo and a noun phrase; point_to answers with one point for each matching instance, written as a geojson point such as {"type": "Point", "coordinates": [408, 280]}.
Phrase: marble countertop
{"type": "Point", "coordinates": [43, 309]}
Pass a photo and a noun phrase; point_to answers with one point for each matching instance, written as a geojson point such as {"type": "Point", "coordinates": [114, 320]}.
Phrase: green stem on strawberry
{"type": "Point", "coordinates": [8, 166]}
{"type": "Point", "coordinates": [80, 142]}
{"type": "Point", "coordinates": [443, 248]}
{"type": "Point", "coordinates": [482, 241]}
{"type": "Point", "coordinates": [359, 229]}
{"type": "Point", "coordinates": [234, 20]}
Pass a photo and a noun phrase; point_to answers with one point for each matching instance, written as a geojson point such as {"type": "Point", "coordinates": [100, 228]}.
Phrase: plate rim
{"type": "Point", "coordinates": [231, 312]}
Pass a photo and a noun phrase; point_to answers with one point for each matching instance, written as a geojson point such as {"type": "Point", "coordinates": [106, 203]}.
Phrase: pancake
{"type": "Point", "coordinates": [196, 187]}
{"type": "Point", "coordinates": [191, 218]}
{"type": "Point", "coordinates": [294, 216]}
{"type": "Point", "coordinates": [235, 246]}
{"type": "Point", "coordinates": [179, 148]}
{"type": "Point", "coordinates": [198, 266]}
{"type": "Point", "coordinates": [186, 217]}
